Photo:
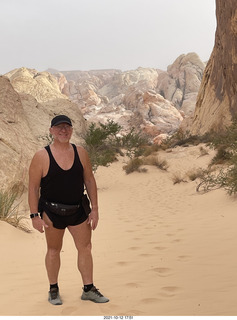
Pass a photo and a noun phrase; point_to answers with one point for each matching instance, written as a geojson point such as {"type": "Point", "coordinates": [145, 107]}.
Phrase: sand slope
{"type": "Point", "coordinates": [159, 249]}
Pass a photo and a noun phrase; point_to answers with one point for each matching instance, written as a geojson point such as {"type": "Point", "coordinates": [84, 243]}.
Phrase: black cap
{"type": "Point", "coordinates": [60, 119]}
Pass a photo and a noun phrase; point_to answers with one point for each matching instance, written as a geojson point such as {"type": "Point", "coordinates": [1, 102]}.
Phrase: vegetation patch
{"type": "Point", "coordinates": [9, 206]}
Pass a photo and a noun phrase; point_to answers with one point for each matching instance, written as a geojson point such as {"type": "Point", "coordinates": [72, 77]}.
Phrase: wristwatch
{"type": "Point", "coordinates": [32, 215]}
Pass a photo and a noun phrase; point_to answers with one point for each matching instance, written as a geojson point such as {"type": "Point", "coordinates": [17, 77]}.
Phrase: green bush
{"type": "Point", "coordinates": [135, 143]}
{"type": "Point", "coordinates": [103, 143]}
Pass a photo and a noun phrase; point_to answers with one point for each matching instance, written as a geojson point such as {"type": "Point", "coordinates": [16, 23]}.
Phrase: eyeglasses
{"type": "Point", "coordinates": [61, 127]}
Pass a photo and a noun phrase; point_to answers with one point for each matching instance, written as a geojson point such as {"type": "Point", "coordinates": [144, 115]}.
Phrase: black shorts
{"type": "Point", "coordinates": [62, 222]}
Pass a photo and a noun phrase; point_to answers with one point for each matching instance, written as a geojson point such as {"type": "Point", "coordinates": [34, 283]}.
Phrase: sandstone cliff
{"type": "Point", "coordinates": [180, 84]}
{"type": "Point", "coordinates": [27, 104]}
{"type": "Point", "coordinates": [152, 99]}
{"type": "Point", "coordinates": [217, 99]}
{"type": "Point", "coordinates": [145, 98]}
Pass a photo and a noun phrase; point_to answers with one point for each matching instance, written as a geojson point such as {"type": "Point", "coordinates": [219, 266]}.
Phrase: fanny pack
{"type": "Point", "coordinates": [67, 209]}
{"type": "Point", "coordinates": [62, 209]}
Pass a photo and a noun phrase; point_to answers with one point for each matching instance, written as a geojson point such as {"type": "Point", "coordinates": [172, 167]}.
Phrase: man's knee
{"type": "Point", "coordinates": [86, 247]}
{"type": "Point", "coordinates": [53, 252]}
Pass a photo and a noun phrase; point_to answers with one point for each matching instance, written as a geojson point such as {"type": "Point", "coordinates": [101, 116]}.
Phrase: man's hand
{"type": "Point", "coordinates": [93, 218]}
{"type": "Point", "coordinates": [39, 224]}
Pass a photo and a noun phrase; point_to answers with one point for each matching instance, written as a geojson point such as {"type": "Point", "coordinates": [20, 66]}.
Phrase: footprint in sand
{"type": "Point", "coordinates": [123, 263]}
{"type": "Point", "coordinates": [68, 311]}
{"type": "Point", "coordinates": [134, 248]}
{"type": "Point", "coordinates": [146, 255]}
{"type": "Point", "coordinates": [132, 285]}
{"type": "Point", "coordinates": [133, 311]}
{"type": "Point", "coordinates": [176, 240]}
{"type": "Point", "coordinates": [163, 272]}
{"type": "Point", "coordinates": [184, 258]}
{"type": "Point", "coordinates": [160, 248]}
{"type": "Point", "coordinates": [169, 291]}
{"type": "Point", "coordinates": [150, 300]}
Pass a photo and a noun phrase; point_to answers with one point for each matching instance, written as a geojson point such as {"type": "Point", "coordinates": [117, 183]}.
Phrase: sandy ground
{"type": "Point", "coordinates": [160, 250]}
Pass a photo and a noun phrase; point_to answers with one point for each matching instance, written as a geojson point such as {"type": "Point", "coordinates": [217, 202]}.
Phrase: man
{"type": "Point", "coordinates": [57, 176]}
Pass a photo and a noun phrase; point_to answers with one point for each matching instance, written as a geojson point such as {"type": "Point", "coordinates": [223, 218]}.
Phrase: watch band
{"type": "Point", "coordinates": [32, 215]}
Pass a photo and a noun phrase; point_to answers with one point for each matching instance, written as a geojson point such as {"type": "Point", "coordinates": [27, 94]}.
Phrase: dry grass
{"type": "Point", "coordinates": [134, 165]}
{"type": "Point", "coordinates": [156, 161]}
{"type": "Point", "coordinates": [178, 178]}
{"type": "Point", "coordinates": [9, 206]}
{"type": "Point", "coordinates": [203, 151]}
{"type": "Point", "coordinates": [195, 173]}
{"type": "Point", "coordinates": [152, 160]}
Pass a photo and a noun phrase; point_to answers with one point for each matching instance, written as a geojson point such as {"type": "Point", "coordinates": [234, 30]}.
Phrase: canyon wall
{"type": "Point", "coordinates": [217, 98]}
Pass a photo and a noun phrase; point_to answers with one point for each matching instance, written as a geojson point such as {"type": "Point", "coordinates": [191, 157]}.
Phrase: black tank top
{"type": "Point", "coordinates": [63, 186]}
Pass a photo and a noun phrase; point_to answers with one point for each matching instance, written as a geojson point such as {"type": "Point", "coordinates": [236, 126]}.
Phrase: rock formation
{"type": "Point", "coordinates": [217, 99]}
{"type": "Point", "coordinates": [27, 104]}
{"type": "Point", "coordinates": [181, 82]}
{"type": "Point", "coordinates": [125, 96]}
{"type": "Point", "coordinates": [138, 98]}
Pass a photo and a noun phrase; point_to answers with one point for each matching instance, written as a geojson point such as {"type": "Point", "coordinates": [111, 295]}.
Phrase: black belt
{"type": "Point", "coordinates": [62, 209]}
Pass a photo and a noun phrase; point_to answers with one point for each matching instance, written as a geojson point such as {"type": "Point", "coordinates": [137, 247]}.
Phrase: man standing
{"type": "Point", "coordinates": [57, 176]}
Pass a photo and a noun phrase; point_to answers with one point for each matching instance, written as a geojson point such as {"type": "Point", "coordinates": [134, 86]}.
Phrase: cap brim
{"type": "Point", "coordinates": [62, 121]}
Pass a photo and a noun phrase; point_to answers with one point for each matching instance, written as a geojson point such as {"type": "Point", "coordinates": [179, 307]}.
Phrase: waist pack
{"type": "Point", "coordinates": [66, 209]}
{"type": "Point", "coordinates": [62, 209]}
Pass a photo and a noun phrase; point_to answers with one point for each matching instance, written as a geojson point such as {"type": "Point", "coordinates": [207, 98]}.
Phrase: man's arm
{"type": "Point", "coordinates": [35, 174]}
{"type": "Point", "coordinates": [91, 187]}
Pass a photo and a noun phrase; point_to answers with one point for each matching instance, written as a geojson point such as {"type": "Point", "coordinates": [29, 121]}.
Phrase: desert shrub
{"type": "Point", "coordinates": [225, 143]}
{"type": "Point", "coordinates": [178, 178]}
{"type": "Point", "coordinates": [156, 161]}
{"type": "Point", "coordinates": [150, 149]}
{"type": "Point", "coordinates": [181, 138]}
{"type": "Point", "coordinates": [211, 181]}
{"type": "Point", "coordinates": [134, 165]}
{"type": "Point", "coordinates": [135, 143]}
{"type": "Point", "coordinates": [222, 155]}
{"type": "Point", "coordinates": [8, 206]}
{"type": "Point", "coordinates": [193, 174]}
{"type": "Point", "coordinates": [102, 143]}
{"type": "Point", "coordinates": [226, 138]}
{"type": "Point", "coordinates": [184, 138]}
{"type": "Point", "coordinates": [102, 133]}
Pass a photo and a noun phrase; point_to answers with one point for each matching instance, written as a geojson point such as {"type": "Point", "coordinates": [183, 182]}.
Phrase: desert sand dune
{"type": "Point", "coordinates": [160, 249]}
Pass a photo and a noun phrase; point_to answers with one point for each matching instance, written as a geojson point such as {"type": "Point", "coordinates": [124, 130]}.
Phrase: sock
{"type": "Point", "coordinates": [53, 286]}
{"type": "Point", "coordinates": [88, 287]}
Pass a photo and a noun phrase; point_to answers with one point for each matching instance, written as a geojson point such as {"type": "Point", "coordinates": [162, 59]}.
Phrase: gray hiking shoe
{"type": "Point", "coordinates": [54, 297]}
{"type": "Point", "coordinates": [94, 295]}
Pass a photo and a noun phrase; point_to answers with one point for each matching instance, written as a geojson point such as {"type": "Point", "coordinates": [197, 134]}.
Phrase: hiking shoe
{"type": "Point", "coordinates": [94, 295]}
{"type": "Point", "coordinates": [54, 297]}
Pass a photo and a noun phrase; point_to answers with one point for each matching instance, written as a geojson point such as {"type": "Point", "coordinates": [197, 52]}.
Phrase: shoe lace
{"type": "Point", "coordinates": [96, 291]}
{"type": "Point", "coordinates": [54, 293]}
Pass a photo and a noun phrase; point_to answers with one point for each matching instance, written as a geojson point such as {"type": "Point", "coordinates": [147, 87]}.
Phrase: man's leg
{"type": "Point", "coordinates": [82, 237]}
{"type": "Point", "coordinates": [54, 238]}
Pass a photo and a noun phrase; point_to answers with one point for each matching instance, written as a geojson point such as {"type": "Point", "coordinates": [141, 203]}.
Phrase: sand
{"type": "Point", "coordinates": [159, 250]}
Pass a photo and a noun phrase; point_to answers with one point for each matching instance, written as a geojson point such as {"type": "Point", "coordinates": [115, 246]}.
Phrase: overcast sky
{"type": "Point", "coordinates": [103, 34]}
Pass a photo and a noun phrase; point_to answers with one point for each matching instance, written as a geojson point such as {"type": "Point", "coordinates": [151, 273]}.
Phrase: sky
{"type": "Point", "coordinates": [103, 34]}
